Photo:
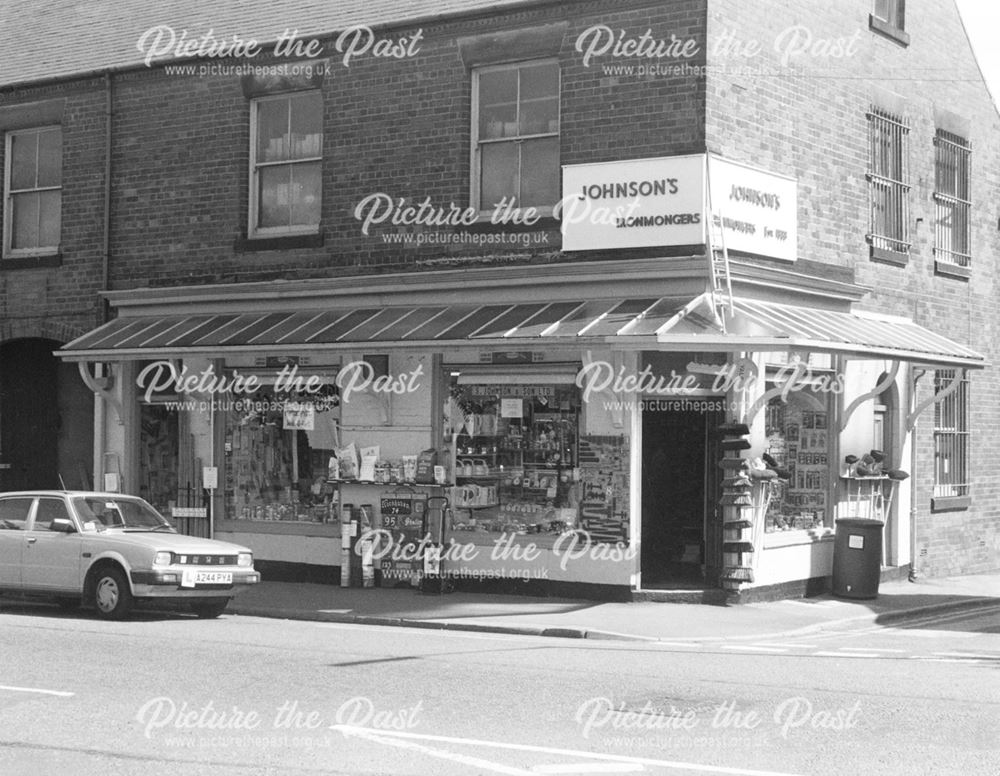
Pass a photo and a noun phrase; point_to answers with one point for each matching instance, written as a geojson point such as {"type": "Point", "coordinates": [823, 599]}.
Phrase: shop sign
{"type": "Point", "coordinates": [633, 204]}
{"type": "Point", "coordinates": [299, 416]}
{"type": "Point", "coordinates": [757, 210]}
{"type": "Point", "coordinates": [660, 202]}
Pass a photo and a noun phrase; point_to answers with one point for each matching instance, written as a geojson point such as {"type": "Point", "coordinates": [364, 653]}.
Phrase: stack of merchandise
{"type": "Point", "coordinates": [737, 506]}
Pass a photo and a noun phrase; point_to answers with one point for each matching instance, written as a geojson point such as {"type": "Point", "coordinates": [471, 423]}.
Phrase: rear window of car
{"type": "Point", "coordinates": [14, 513]}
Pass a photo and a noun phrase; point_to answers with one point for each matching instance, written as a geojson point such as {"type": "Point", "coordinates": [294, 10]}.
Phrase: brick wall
{"type": "Point", "coordinates": [805, 117]}
{"type": "Point", "coordinates": [400, 127]}
{"type": "Point", "coordinates": [60, 302]}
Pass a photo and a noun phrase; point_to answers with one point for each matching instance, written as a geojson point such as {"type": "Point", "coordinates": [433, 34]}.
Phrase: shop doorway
{"type": "Point", "coordinates": [681, 529]}
{"type": "Point", "coordinates": [46, 419]}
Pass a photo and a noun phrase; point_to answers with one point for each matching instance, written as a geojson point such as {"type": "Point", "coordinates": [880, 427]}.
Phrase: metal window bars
{"type": "Point", "coordinates": [952, 244]}
{"type": "Point", "coordinates": [887, 176]}
{"type": "Point", "coordinates": [951, 437]}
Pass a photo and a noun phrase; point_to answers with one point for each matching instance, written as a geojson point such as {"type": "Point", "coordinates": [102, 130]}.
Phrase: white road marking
{"type": "Point", "coordinates": [870, 649]}
{"type": "Point", "coordinates": [751, 648]}
{"type": "Point", "coordinates": [385, 737]}
{"type": "Point", "coordinates": [548, 750]}
{"type": "Point", "coordinates": [572, 768]}
{"type": "Point", "coordinates": [57, 693]}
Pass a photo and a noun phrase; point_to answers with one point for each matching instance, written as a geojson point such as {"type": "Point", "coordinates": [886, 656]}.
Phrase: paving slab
{"type": "Point", "coordinates": [897, 602]}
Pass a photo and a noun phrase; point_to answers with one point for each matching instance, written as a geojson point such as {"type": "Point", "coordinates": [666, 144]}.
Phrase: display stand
{"type": "Point", "coordinates": [869, 499]}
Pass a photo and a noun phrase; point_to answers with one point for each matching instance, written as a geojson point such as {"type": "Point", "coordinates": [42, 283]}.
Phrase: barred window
{"type": "Point", "coordinates": [888, 177]}
{"type": "Point", "coordinates": [951, 197]}
{"type": "Point", "coordinates": [951, 435]}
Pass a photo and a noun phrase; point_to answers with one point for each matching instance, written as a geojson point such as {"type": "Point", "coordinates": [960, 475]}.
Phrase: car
{"type": "Point", "coordinates": [110, 550]}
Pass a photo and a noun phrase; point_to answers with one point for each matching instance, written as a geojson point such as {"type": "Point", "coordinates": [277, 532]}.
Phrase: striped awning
{"type": "Point", "coordinates": [651, 323]}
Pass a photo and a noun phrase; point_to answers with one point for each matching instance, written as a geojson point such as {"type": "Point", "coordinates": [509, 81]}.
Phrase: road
{"type": "Point", "coordinates": [169, 694]}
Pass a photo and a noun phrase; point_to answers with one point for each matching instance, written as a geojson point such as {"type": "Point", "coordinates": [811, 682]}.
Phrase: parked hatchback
{"type": "Point", "coordinates": [109, 550]}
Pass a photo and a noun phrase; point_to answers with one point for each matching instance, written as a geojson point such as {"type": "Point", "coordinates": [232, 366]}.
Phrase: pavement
{"type": "Point", "coordinates": [897, 602]}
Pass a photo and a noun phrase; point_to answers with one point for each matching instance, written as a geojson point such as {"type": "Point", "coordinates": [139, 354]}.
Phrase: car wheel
{"type": "Point", "coordinates": [210, 608]}
{"type": "Point", "coordinates": [112, 596]}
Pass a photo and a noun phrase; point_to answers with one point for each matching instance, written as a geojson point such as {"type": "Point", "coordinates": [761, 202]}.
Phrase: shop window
{"type": "Point", "coordinates": [33, 186]}
{"type": "Point", "coordinates": [951, 197]}
{"type": "Point", "coordinates": [799, 439]}
{"type": "Point", "coordinates": [277, 451]}
{"type": "Point", "coordinates": [951, 437]}
{"type": "Point", "coordinates": [888, 17]}
{"type": "Point", "coordinates": [286, 163]}
{"type": "Point", "coordinates": [888, 185]}
{"type": "Point", "coordinates": [516, 136]}
{"type": "Point", "coordinates": [521, 466]}
{"type": "Point", "coordinates": [159, 459]}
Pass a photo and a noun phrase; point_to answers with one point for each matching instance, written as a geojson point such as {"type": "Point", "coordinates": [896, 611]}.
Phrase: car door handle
{"type": "Point", "coordinates": [32, 540]}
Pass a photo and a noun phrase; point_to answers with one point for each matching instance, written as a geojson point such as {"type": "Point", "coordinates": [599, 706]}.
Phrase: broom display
{"type": "Point", "coordinates": [737, 506]}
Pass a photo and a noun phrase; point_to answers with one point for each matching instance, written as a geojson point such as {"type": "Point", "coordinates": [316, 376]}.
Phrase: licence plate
{"type": "Point", "coordinates": [190, 578]}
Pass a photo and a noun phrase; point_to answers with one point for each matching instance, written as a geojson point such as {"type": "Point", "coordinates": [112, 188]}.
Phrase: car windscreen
{"type": "Point", "coordinates": [118, 513]}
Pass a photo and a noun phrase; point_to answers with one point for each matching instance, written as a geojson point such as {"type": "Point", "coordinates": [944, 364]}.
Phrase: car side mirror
{"type": "Point", "coordinates": [62, 525]}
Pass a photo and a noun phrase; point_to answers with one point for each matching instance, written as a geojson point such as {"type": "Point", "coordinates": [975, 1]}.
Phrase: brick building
{"type": "Point", "coordinates": [560, 244]}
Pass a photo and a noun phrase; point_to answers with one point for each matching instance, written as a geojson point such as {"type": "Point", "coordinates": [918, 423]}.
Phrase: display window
{"type": "Point", "coordinates": [800, 440]}
{"type": "Point", "coordinates": [277, 449]}
{"type": "Point", "coordinates": [515, 451]}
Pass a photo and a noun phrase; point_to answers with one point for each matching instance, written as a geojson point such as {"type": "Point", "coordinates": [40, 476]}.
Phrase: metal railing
{"type": "Point", "coordinates": [887, 176]}
{"type": "Point", "coordinates": [952, 200]}
{"type": "Point", "coordinates": [951, 437]}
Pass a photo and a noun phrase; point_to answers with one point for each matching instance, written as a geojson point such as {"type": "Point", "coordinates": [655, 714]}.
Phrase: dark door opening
{"type": "Point", "coordinates": [681, 538]}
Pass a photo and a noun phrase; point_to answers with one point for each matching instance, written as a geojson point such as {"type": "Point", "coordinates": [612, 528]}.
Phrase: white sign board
{"type": "Point", "coordinates": [758, 210]}
{"type": "Point", "coordinates": [210, 477]}
{"type": "Point", "coordinates": [299, 416]}
{"type": "Point", "coordinates": [639, 203]}
{"type": "Point", "coordinates": [649, 203]}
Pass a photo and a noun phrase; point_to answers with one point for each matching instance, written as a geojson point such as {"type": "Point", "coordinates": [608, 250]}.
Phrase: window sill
{"type": "Point", "coordinates": [31, 262]}
{"type": "Point", "coordinates": [287, 527]}
{"type": "Point", "coordinates": [890, 31]}
{"type": "Point", "coordinates": [279, 242]}
{"type": "Point", "coordinates": [797, 537]}
{"type": "Point", "coordinates": [886, 256]}
{"type": "Point", "coordinates": [543, 220]}
{"type": "Point", "coordinates": [952, 270]}
{"type": "Point", "coordinates": [950, 503]}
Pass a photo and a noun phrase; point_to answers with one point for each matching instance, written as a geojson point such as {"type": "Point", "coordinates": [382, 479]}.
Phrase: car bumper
{"type": "Point", "coordinates": [166, 583]}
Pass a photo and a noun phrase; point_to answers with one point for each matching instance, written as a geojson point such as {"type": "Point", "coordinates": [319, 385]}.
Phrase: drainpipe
{"type": "Point", "coordinates": [915, 376]}
{"type": "Point", "coordinates": [106, 265]}
{"type": "Point", "coordinates": [100, 413]}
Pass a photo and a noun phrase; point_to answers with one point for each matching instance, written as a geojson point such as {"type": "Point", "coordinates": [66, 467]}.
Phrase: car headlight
{"type": "Point", "coordinates": [244, 559]}
{"type": "Point", "coordinates": [163, 558]}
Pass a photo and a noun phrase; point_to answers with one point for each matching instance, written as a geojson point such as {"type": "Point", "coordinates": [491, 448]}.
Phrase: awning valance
{"type": "Point", "coordinates": [648, 323]}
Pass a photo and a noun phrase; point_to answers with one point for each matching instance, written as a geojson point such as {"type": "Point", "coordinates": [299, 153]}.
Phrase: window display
{"type": "Point", "coordinates": [277, 454]}
{"type": "Point", "coordinates": [799, 440]}
{"type": "Point", "coordinates": [515, 461]}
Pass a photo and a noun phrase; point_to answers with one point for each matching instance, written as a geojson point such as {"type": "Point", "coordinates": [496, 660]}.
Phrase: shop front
{"type": "Point", "coordinates": [568, 445]}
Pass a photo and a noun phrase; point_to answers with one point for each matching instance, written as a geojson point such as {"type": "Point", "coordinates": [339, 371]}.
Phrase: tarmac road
{"type": "Point", "coordinates": [168, 694]}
